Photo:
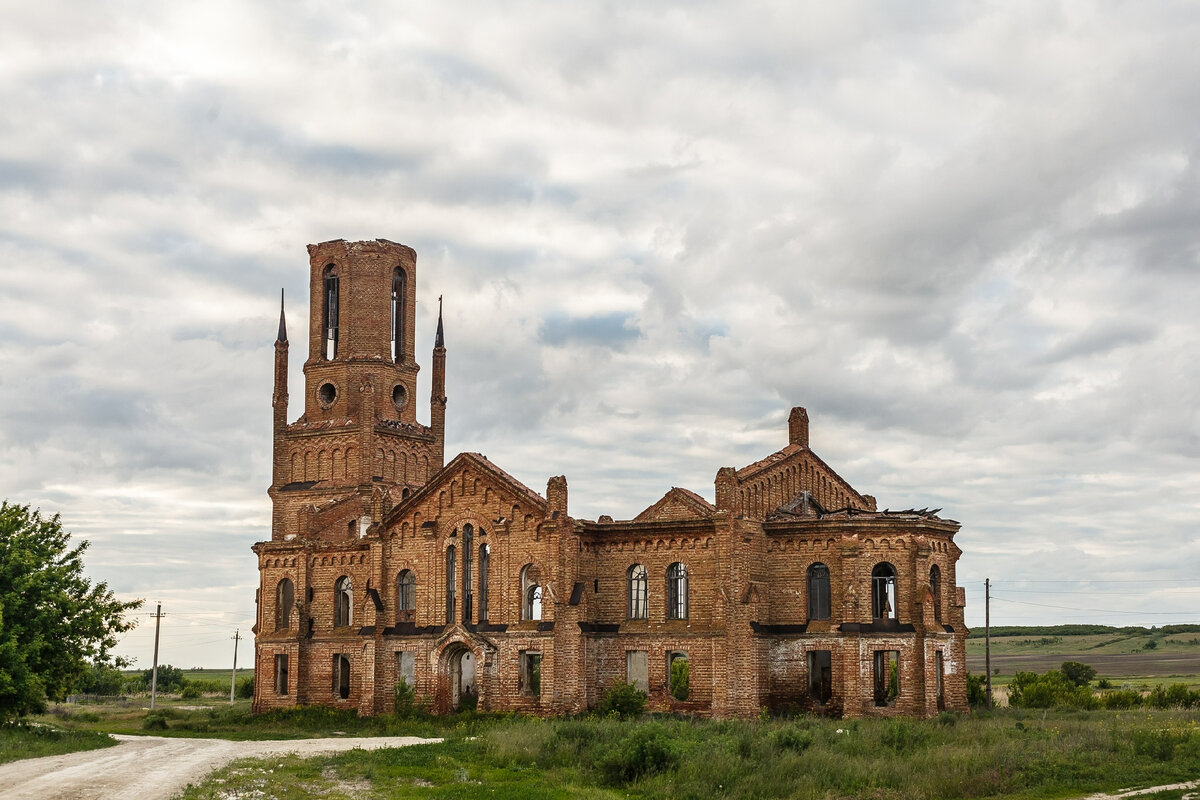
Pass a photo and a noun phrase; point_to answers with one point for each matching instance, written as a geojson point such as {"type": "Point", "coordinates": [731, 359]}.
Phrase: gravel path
{"type": "Point", "coordinates": [155, 767]}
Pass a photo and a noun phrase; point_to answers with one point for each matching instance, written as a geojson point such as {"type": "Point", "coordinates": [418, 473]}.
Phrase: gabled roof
{"type": "Point", "coordinates": [678, 504]}
{"type": "Point", "coordinates": [478, 462]}
{"type": "Point", "coordinates": [793, 450]}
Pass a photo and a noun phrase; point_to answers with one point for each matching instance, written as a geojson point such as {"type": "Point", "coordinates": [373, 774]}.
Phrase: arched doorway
{"type": "Point", "coordinates": [461, 677]}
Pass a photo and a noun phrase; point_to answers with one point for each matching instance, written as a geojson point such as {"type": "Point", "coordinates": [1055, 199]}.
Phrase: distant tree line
{"type": "Point", "coordinates": [1001, 631]}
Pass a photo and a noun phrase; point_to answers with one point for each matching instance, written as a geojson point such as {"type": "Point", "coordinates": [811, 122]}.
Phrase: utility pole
{"type": "Point", "coordinates": [987, 636]}
{"type": "Point", "coordinates": [158, 615]}
{"type": "Point", "coordinates": [237, 635]}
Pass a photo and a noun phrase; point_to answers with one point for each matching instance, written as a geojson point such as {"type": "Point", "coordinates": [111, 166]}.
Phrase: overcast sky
{"type": "Point", "coordinates": [964, 236]}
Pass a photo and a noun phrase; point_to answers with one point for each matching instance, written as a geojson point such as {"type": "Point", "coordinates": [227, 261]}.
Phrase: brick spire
{"type": "Point", "coordinates": [282, 335]}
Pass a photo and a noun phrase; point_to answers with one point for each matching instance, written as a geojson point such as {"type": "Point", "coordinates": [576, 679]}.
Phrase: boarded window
{"type": "Point", "coordinates": [679, 674]}
{"type": "Point", "coordinates": [637, 672]}
{"type": "Point", "coordinates": [677, 591]}
{"type": "Point", "coordinates": [281, 674]}
{"type": "Point", "coordinates": [285, 601]}
{"type": "Point", "coordinates": [820, 676]}
{"type": "Point", "coordinates": [818, 592]}
{"type": "Point", "coordinates": [531, 673]}
{"type": "Point", "coordinates": [406, 667]}
{"type": "Point", "coordinates": [341, 676]}
{"type": "Point", "coordinates": [638, 592]}
{"type": "Point", "coordinates": [887, 677]}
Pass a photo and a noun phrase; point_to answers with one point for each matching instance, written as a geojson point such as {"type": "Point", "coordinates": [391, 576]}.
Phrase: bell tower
{"type": "Point", "coordinates": [357, 449]}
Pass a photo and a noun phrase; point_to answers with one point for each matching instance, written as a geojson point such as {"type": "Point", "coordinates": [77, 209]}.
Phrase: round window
{"type": "Point", "coordinates": [399, 395]}
{"type": "Point", "coordinates": [326, 394]}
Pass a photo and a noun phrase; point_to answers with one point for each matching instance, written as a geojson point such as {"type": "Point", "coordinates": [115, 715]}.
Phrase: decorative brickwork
{"type": "Point", "coordinates": [791, 591]}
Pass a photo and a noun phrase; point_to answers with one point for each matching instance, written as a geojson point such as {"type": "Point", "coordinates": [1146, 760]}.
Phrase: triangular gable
{"type": "Point", "coordinates": [678, 504]}
{"type": "Point", "coordinates": [478, 463]}
{"type": "Point", "coordinates": [796, 455]}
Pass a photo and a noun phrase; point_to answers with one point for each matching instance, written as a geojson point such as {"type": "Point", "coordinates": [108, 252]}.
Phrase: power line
{"type": "Point", "coordinates": [1100, 610]}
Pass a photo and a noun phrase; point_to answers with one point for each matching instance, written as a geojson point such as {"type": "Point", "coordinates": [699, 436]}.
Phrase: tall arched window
{"type": "Point", "coordinates": [468, 543]}
{"type": "Point", "coordinates": [285, 600]}
{"type": "Point", "coordinates": [677, 591]}
{"type": "Point", "coordinates": [406, 596]}
{"type": "Point", "coordinates": [935, 587]}
{"type": "Point", "coordinates": [484, 556]}
{"type": "Point", "coordinates": [343, 601]}
{"type": "Point", "coordinates": [818, 591]}
{"type": "Point", "coordinates": [531, 593]}
{"type": "Point", "coordinates": [329, 314]}
{"type": "Point", "coordinates": [638, 592]}
{"type": "Point", "coordinates": [399, 293]}
{"type": "Point", "coordinates": [883, 591]}
{"type": "Point", "coordinates": [451, 588]}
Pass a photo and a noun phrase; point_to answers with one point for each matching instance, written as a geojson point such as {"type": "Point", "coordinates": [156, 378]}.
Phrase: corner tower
{"type": "Point", "coordinates": [357, 448]}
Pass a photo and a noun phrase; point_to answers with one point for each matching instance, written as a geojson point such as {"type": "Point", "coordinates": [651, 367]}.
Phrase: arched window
{"type": "Point", "coordinates": [531, 593]}
{"type": "Point", "coordinates": [329, 314]}
{"type": "Point", "coordinates": [638, 592]}
{"type": "Point", "coordinates": [399, 294]}
{"type": "Point", "coordinates": [677, 591]}
{"type": "Point", "coordinates": [883, 591]}
{"type": "Point", "coordinates": [343, 601]}
{"type": "Point", "coordinates": [451, 588]}
{"type": "Point", "coordinates": [406, 596]}
{"type": "Point", "coordinates": [484, 556]}
{"type": "Point", "coordinates": [935, 587]}
{"type": "Point", "coordinates": [468, 543]}
{"type": "Point", "coordinates": [285, 600]}
{"type": "Point", "coordinates": [818, 591]}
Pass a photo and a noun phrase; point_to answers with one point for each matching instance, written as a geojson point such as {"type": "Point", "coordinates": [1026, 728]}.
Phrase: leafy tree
{"type": "Point", "coordinates": [170, 679]}
{"type": "Point", "coordinates": [101, 679]}
{"type": "Point", "coordinates": [54, 622]}
{"type": "Point", "coordinates": [1078, 673]}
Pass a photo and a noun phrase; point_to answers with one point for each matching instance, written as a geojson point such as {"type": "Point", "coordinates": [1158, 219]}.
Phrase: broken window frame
{"type": "Point", "coordinates": [406, 596]}
{"type": "Point", "coordinates": [885, 678]}
{"type": "Point", "coordinates": [819, 600]}
{"type": "Point", "coordinates": [343, 602]}
{"type": "Point", "coordinates": [329, 313]}
{"type": "Point", "coordinates": [399, 298]}
{"type": "Point", "coordinates": [884, 605]}
{"type": "Point", "coordinates": [285, 603]}
{"type": "Point", "coordinates": [638, 579]}
{"type": "Point", "coordinates": [677, 591]}
{"type": "Point", "coordinates": [531, 594]}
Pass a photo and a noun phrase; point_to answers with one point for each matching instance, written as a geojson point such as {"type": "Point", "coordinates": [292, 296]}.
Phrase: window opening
{"type": "Point", "coordinates": [330, 326]}
{"type": "Point", "coordinates": [281, 673]}
{"type": "Point", "coordinates": [343, 602]}
{"type": "Point", "coordinates": [820, 675]}
{"type": "Point", "coordinates": [637, 672]}
{"type": "Point", "coordinates": [638, 592]}
{"type": "Point", "coordinates": [818, 592]}
{"type": "Point", "coordinates": [468, 539]}
{"type": "Point", "coordinates": [883, 592]}
{"type": "Point", "coordinates": [484, 557]}
{"type": "Point", "coordinates": [887, 677]}
{"type": "Point", "coordinates": [451, 589]}
{"type": "Point", "coordinates": [935, 588]}
{"type": "Point", "coordinates": [399, 287]}
{"type": "Point", "coordinates": [341, 676]}
{"type": "Point", "coordinates": [677, 591]}
{"type": "Point", "coordinates": [531, 593]}
{"type": "Point", "coordinates": [406, 596]}
{"type": "Point", "coordinates": [531, 673]}
{"type": "Point", "coordinates": [940, 671]}
{"type": "Point", "coordinates": [679, 674]}
{"type": "Point", "coordinates": [406, 667]}
{"type": "Point", "coordinates": [285, 601]}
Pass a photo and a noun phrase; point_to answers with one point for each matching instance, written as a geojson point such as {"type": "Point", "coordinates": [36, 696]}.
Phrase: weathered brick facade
{"type": "Point", "coordinates": [792, 591]}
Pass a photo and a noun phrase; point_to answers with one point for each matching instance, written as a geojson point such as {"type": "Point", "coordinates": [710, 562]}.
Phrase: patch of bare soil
{"type": "Point", "coordinates": [155, 767]}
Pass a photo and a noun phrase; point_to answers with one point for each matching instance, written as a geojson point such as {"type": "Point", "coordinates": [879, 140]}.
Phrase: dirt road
{"type": "Point", "coordinates": [154, 767]}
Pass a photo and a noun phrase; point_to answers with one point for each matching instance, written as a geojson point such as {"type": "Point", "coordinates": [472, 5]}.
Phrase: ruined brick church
{"type": "Point", "coordinates": [388, 564]}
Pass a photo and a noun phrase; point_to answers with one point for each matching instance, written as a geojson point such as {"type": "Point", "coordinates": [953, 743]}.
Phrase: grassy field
{"type": "Point", "coordinates": [32, 741]}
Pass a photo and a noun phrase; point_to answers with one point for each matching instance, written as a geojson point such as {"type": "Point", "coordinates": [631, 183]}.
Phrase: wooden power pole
{"type": "Point", "coordinates": [158, 615]}
{"type": "Point", "coordinates": [237, 635]}
{"type": "Point", "coordinates": [987, 636]}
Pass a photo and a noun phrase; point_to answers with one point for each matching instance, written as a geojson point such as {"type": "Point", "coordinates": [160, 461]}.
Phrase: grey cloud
{"type": "Point", "coordinates": [615, 330]}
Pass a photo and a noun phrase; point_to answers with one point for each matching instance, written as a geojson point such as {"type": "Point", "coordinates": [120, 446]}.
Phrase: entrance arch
{"type": "Point", "coordinates": [459, 675]}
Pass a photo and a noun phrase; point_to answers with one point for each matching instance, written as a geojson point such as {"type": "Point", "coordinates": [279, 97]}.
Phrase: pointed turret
{"type": "Point", "coordinates": [279, 399]}
{"type": "Point", "coordinates": [282, 335]}
{"type": "Point", "coordinates": [437, 399]}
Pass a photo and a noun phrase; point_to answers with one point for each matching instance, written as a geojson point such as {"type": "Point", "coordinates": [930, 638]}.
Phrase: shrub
{"type": "Point", "coordinates": [1051, 690]}
{"type": "Point", "coordinates": [468, 701]}
{"type": "Point", "coordinates": [680, 678]}
{"type": "Point", "coordinates": [1078, 673]}
{"type": "Point", "coordinates": [1119, 699]}
{"type": "Point", "coordinates": [1150, 645]}
{"type": "Point", "coordinates": [976, 693]}
{"type": "Point", "coordinates": [1176, 695]}
{"type": "Point", "coordinates": [405, 704]}
{"type": "Point", "coordinates": [190, 691]}
{"type": "Point", "coordinates": [155, 721]}
{"type": "Point", "coordinates": [624, 700]}
{"type": "Point", "coordinates": [644, 751]}
{"type": "Point", "coordinates": [792, 738]}
{"type": "Point", "coordinates": [245, 687]}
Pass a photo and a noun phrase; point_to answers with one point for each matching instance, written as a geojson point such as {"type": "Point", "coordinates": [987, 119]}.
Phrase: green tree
{"type": "Point", "coordinates": [1078, 673]}
{"type": "Point", "coordinates": [170, 679]}
{"type": "Point", "coordinates": [54, 623]}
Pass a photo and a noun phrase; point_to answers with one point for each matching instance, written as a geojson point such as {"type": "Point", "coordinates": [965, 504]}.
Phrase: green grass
{"type": "Point", "coordinates": [18, 740]}
{"type": "Point", "coordinates": [1008, 754]}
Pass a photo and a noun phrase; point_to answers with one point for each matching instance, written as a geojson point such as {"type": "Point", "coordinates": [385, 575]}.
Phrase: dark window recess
{"type": "Point", "coordinates": [531, 673]}
{"type": "Point", "coordinates": [406, 596]}
{"type": "Point", "coordinates": [820, 676]}
{"type": "Point", "coordinates": [451, 588]}
{"type": "Point", "coordinates": [343, 599]}
{"type": "Point", "coordinates": [887, 677]}
{"type": "Point", "coordinates": [341, 676]}
{"type": "Point", "coordinates": [818, 592]}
